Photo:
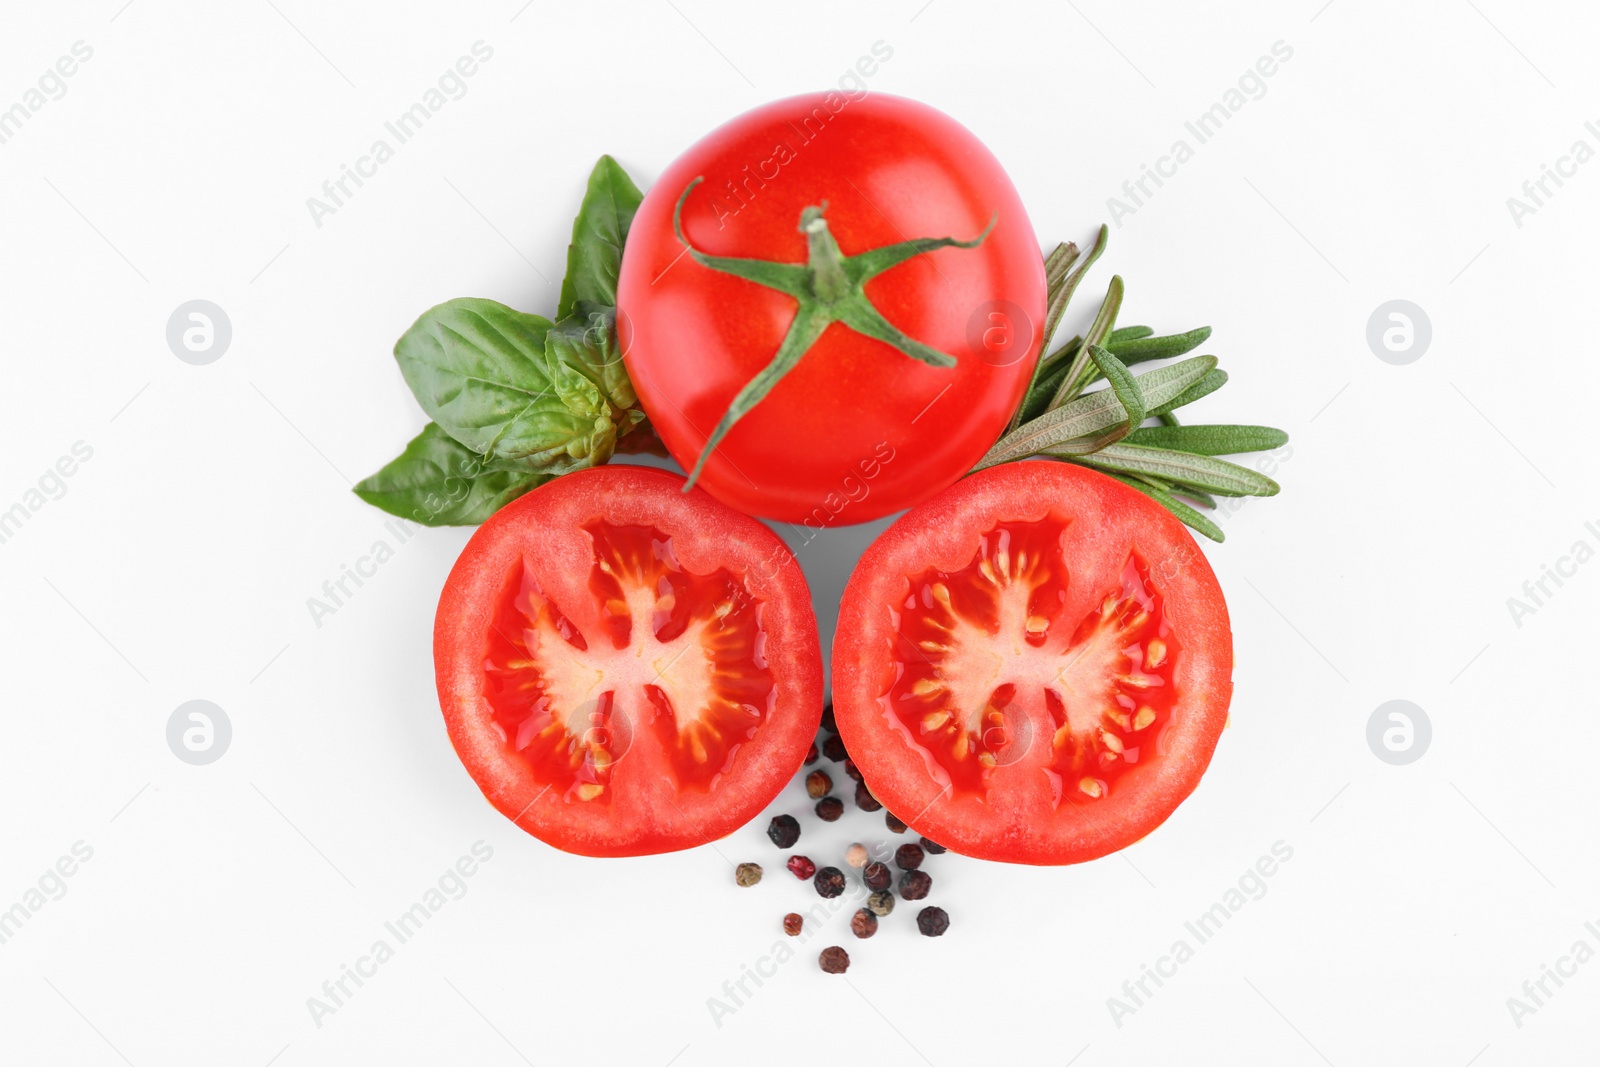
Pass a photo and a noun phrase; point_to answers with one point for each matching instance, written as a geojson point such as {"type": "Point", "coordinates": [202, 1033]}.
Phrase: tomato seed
{"type": "Point", "coordinates": [863, 923]}
{"type": "Point", "coordinates": [784, 830]}
{"type": "Point", "coordinates": [829, 882]}
{"type": "Point", "coordinates": [877, 876]}
{"type": "Point", "coordinates": [801, 867]}
{"type": "Point", "coordinates": [818, 784]}
{"type": "Point", "coordinates": [881, 902]}
{"type": "Point", "coordinates": [829, 809]}
{"type": "Point", "coordinates": [908, 857]}
{"type": "Point", "coordinates": [933, 922]}
{"type": "Point", "coordinates": [914, 885]}
{"type": "Point", "coordinates": [834, 960]}
{"type": "Point", "coordinates": [747, 874]}
{"type": "Point", "coordinates": [792, 923]}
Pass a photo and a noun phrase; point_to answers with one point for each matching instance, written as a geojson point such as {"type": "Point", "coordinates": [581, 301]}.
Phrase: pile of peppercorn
{"type": "Point", "coordinates": [830, 882]}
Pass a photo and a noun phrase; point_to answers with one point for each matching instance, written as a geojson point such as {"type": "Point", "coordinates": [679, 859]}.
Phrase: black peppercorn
{"type": "Point", "coordinates": [893, 823]}
{"type": "Point", "coordinates": [881, 902]}
{"type": "Point", "coordinates": [834, 960]}
{"type": "Point", "coordinates": [829, 809]}
{"type": "Point", "coordinates": [908, 857]}
{"type": "Point", "coordinates": [931, 848]}
{"type": "Point", "coordinates": [818, 784]}
{"type": "Point", "coordinates": [792, 923]}
{"type": "Point", "coordinates": [747, 874]}
{"type": "Point", "coordinates": [833, 748]}
{"type": "Point", "coordinates": [914, 885]}
{"type": "Point", "coordinates": [933, 922]}
{"type": "Point", "coordinates": [865, 800]}
{"type": "Point", "coordinates": [863, 923]}
{"type": "Point", "coordinates": [784, 830]}
{"type": "Point", "coordinates": [828, 723]}
{"type": "Point", "coordinates": [876, 875]}
{"type": "Point", "coordinates": [829, 882]}
{"type": "Point", "coordinates": [852, 771]}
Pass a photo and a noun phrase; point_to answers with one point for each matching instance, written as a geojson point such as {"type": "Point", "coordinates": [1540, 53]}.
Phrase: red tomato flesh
{"type": "Point", "coordinates": [626, 669]}
{"type": "Point", "coordinates": [1034, 666]}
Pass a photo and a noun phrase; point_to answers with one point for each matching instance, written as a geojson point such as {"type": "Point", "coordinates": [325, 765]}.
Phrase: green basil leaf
{"type": "Point", "coordinates": [587, 342]}
{"type": "Point", "coordinates": [1211, 440]}
{"type": "Point", "coordinates": [479, 370]}
{"type": "Point", "coordinates": [576, 389]}
{"type": "Point", "coordinates": [437, 481]}
{"type": "Point", "coordinates": [594, 258]}
{"type": "Point", "coordinates": [1203, 472]}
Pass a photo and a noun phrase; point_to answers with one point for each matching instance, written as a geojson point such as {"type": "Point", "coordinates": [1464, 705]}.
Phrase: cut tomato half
{"type": "Point", "coordinates": [625, 668]}
{"type": "Point", "coordinates": [1034, 666]}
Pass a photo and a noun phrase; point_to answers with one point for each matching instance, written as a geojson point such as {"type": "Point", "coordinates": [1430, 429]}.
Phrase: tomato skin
{"type": "Point", "coordinates": [857, 430]}
{"type": "Point", "coordinates": [1104, 522]}
{"type": "Point", "coordinates": [542, 530]}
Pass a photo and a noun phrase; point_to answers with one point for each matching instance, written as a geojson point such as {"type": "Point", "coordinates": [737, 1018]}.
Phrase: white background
{"type": "Point", "coordinates": [178, 563]}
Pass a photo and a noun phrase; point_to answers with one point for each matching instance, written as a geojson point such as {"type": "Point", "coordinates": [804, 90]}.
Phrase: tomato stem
{"type": "Point", "coordinates": [829, 288]}
{"type": "Point", "coordinates": [829, 282]}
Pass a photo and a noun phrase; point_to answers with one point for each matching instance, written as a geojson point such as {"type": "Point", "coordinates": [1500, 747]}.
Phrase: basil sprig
{"type": "Point", "coordinates": [594, 259]}
{"type": "Point", "coordinates": [516, 399]}
{"type": "Point", "coordinates": [438, 481]}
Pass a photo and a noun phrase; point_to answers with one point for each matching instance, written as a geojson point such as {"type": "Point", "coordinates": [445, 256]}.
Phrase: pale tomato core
{"type": "Point", "coordinates": [989, 672]}
{"type": "Point", "coordinates": [675, 661]}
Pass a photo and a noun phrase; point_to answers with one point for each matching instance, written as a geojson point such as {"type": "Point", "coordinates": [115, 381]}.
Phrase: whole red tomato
{"type": "Point", "coordinates": [858, 427]}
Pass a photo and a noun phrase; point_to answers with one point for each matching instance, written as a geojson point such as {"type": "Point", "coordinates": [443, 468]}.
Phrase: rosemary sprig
{"type": "Point", "coordinates": [1105, 429]}
{"type": "Point", "coordinates": [1062, 273]}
